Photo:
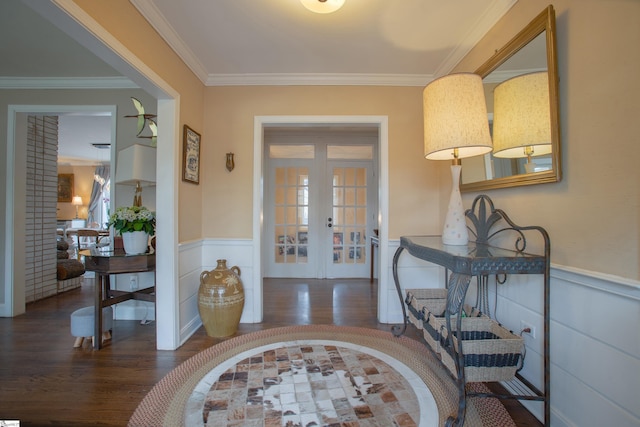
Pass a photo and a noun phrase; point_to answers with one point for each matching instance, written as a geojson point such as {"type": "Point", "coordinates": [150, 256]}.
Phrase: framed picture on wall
{"type": "Point", "coordinates": [65, 187]}
{"type": "Point", "coordinates": [190, 156]}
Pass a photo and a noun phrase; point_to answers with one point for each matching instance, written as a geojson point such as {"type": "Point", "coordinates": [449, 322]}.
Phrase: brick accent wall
{"type": "Point", "coordinates": [42, 198]}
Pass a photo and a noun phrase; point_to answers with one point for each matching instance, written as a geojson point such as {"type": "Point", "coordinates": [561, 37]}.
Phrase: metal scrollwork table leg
{"type": "Point", "coordinates": [457, 290]}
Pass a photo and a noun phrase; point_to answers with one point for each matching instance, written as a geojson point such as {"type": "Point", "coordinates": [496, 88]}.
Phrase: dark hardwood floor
{"type": "Point", "coordinates": [44, 381]}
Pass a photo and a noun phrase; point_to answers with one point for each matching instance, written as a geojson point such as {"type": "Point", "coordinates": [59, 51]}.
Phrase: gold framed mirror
{"type": "Point", "coordinates": [531, 53]}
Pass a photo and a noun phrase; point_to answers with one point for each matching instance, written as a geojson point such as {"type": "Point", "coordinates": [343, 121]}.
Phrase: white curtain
{"type": "Point", "coordinates": [99, 203]}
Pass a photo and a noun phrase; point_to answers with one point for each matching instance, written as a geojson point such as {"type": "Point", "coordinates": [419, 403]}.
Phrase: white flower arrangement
{"type": "Point", "coordinates": [133, 218]}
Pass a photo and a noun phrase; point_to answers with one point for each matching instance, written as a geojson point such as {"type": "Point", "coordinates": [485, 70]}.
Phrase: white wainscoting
{"type": "Point", "coordinates": [595, 349]}
{"type": "Point", "coordinates": [189, 270]}
{"type": "Point", "coordinates": [595, 336]}
{"type": "Point", "coordinates": [413, 273]}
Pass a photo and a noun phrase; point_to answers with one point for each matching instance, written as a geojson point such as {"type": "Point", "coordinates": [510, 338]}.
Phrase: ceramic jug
{"type": "Point", "coordinates": [221, 300]}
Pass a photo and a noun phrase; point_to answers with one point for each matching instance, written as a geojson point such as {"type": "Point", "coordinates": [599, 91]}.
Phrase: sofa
{"type": "Point", "coordinates": [68, 270]}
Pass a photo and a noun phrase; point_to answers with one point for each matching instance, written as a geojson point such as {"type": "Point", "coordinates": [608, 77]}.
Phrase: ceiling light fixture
{"type": "Point", "coordinates": [322, 6]}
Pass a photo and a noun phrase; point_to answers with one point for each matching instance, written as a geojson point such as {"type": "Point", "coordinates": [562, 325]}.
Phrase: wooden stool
{"type": "Point", "coordinates": [82, 324]}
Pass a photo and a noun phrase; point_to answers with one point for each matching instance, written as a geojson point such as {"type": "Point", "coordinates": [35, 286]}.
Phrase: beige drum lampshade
{"type": "Point", "coordinates": [522, 117]}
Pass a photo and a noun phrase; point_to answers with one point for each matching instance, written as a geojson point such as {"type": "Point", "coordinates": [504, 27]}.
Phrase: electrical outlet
{"type": "Point", "coordinates": [525, 325]}
{"type": "Point", "coordinates": [133, 283]}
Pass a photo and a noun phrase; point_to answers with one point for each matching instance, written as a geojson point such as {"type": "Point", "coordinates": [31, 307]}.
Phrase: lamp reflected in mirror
{"type": "Point", "coordinates": [521, 126]}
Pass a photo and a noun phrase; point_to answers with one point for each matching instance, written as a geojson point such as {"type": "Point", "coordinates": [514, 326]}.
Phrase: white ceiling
{"type": "Point", "coordinates": [244, 42]}
{"type": "Point", "coordinates": [79, 137]}
{"type": "Point", "coordinates": [280, 42]}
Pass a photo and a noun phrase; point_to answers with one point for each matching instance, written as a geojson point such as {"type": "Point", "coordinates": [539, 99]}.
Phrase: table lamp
{"type": "Point", "coordinates": [522, 118]}
{"type": "Point", "coordinates": [455, 126]}
{"type": "Point", "coordinates": [136, 166]}
{"type": "Point", "coordinates": [76, 201]}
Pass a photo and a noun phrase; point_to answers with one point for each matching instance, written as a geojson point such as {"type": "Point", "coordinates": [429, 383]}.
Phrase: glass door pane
{"type": "Point", "coordinates": [291, 215]}
{"type": "Point", "coordinates": [349, 200]}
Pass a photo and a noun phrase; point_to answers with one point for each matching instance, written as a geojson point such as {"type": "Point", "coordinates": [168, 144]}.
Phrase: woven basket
{"type": "Point", "coordinates": [433, 324]}
{"type": "Point", "coordinates": [491, 353]}
{"type": "Point", "coordinates": [421, 301]}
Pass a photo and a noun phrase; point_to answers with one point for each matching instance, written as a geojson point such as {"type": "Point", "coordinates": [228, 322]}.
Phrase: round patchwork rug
{"type": "Point", "coordinates": [311, 383]}
{"type": "Point", "coordinates": [312, 375]}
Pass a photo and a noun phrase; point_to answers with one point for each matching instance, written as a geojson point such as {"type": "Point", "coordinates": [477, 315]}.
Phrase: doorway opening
{"type": "Point", "coordinates": [320, 199]}
{"type": "Point", "coordinates": [17, 291]}
{"type": "Point", "coordinates": [262, 124]}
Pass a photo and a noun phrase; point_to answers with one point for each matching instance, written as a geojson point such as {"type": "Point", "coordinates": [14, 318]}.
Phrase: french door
{"type": "Point", "coordinates": [320, 204]}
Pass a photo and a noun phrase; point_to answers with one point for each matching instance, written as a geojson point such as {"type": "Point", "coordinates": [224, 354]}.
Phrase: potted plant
{"type": "Point", "coordinates": [135, 224]}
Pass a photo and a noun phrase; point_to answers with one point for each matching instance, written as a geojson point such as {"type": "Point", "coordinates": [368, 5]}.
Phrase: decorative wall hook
{"type": "Point", "coordinates": [230, 163]}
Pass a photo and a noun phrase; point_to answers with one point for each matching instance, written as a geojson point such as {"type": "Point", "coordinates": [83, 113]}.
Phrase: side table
{"type": "Point", "coordinates": [104, 262]}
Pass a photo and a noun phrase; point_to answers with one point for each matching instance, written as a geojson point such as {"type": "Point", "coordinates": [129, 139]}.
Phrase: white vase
{"type": "Point", "coordinates": [455, 224]}
{"type": "Point", "coordinates": [135, 242]}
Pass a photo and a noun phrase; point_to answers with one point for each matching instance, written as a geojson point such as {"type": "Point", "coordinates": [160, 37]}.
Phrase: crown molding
{"type": "Point", "coordinates": [224, 80]}
{"type": "Point", "coordinates": [151, 13]}
{"type": "Point", "coordinates": [292, 79]}
{"type": "Point", "coordinates": [66, 83]}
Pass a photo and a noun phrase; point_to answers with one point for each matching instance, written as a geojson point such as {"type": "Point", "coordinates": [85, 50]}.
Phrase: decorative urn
{"type": "Point", "coordinates": [221, 300]}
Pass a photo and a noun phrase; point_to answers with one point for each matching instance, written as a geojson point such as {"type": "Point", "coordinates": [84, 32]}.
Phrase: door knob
{"type": "Point", "coordinates": [329, 222]}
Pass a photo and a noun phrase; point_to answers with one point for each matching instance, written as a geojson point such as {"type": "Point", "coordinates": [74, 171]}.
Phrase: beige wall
{"type": "Point", "coordinates": [593, 215]}
{"type": "Point", "coordinates": [123, 21]}
{"type": "Point", "coordinates": [229, 116]}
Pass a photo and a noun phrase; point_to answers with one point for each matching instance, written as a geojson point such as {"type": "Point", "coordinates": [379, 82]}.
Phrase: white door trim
{"type": "Point", "coordinates": [260, 122]}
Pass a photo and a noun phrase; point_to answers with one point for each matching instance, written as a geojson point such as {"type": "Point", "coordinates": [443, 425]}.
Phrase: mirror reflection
{"type": "Point", "coordinates": [521, 93]}
{"type": "Point", "coordinates": [521, 128]}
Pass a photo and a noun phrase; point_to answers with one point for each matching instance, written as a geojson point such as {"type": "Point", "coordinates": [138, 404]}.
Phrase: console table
{"type": "Point", "coordinates": [480, 259]}
{"type": "Point", "coordinates": [104, 261]}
